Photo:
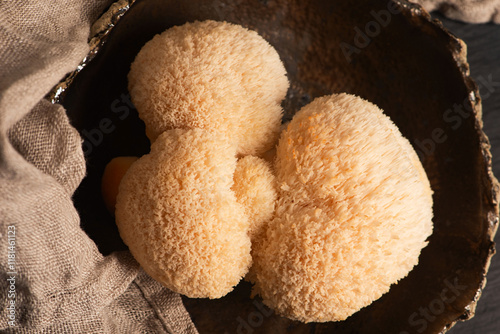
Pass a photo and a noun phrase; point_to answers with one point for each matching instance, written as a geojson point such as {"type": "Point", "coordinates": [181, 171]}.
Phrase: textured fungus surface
{"type": "Point", "coordinates": [354, 212]}
{"type": "Point", "coordinates": [177, 213]}
{"type": "Point", "coordinates": [211, 75]}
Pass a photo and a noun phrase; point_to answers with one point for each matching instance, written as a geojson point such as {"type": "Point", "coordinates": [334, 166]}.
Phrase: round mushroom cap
{"type": "Point", "coordinates": [211, 75]}
{"type": "Point", "coordinates": [255, 189]}
{"type": "Point", "coordinates": [354, 211]}
{"type": "Point", "coordinates": [177, 213]}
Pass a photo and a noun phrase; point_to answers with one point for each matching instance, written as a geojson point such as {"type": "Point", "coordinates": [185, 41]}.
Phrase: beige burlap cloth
{"type": "Point", "coordinates": [473, 11]}
{"type": "Point", "coordinates": [53, 278]}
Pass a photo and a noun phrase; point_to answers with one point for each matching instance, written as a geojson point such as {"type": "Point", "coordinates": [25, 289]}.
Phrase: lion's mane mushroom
{"type": "Point", "coordinates": [177, 213]}
{"type": "Point", "coordinates": [255, 188]}
{"type": "Point", "coordinates": [208, 92]}
{"type": "Point", "coordinates": [354, 211]}
{"type": "Point", "coordinates": [211, 75]}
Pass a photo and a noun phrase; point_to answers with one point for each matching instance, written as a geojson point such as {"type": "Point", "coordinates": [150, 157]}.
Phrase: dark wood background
{"type": "Point", "coordinates": [483, 44]}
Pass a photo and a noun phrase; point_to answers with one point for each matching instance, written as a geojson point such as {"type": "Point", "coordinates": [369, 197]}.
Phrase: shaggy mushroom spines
{"type": "Point", "coordinates": [223, 83]}
{"type": "Point", "coordinates": [341, 215]}
{"type": "Point", "coordinates": [255, 188]}
{"type": "Point", "coordinates": [212, 75]}
{"type": "Point", "coordinates": [178, 215]}
{"type": "Point", "coordinates": [352, 216]}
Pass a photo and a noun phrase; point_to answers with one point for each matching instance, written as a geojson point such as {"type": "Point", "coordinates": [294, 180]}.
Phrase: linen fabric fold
{"type": "Point", "coordinates": [52, 276]}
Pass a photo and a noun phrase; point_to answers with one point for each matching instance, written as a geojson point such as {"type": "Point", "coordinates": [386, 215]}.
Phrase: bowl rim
{"type": "Point", "coordinates": [102, 27]}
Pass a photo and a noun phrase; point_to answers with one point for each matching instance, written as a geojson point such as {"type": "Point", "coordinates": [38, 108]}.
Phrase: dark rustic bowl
{"type": "Point", "coordinates": [404, 62]}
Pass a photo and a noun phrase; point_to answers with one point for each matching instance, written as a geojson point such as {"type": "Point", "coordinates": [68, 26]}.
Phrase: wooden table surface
{"type": "Point", "coordinates": [483, 44]}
